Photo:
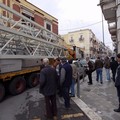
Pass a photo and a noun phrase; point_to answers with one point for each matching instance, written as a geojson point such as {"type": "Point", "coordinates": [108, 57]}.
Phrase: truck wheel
{"type": "Point", "coordinates": [32, 80]}
{"type": "Point", "coordinates": [17, 85]}
{"type": "Point", "coordinates": [2, 92]}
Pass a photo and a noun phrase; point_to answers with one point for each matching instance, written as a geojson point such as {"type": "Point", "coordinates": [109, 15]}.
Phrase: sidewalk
{"type": "Point", "coordinates": [101, 98]}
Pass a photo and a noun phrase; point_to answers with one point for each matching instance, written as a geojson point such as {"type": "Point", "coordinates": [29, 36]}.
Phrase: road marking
{"type": "Point", "coordinates": [72, 115]}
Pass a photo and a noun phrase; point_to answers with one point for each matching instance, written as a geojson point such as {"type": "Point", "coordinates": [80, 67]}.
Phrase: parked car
{"type": "Point", "coordinates": [84, 63]}
{"type": "Point", "coordinates": [81, 68]}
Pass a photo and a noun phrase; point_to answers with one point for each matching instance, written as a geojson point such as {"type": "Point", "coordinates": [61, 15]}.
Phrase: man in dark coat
{"type": "Point", "coordinates": [48, 87]}
{"type": "Point", "coordinates": [66, 81]}
{"type": "Point", "coordinates": [113, 66]}
{"type": "Point", "coordinates": [117, 82]}
{"type": "Point", "coordinates": [89, 71]}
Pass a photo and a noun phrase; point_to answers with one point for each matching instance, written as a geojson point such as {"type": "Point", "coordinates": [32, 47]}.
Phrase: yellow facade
{"type": "Point", "coordinates": [81, 39]}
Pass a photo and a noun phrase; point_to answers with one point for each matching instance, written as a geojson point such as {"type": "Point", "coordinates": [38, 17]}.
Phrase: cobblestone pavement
{"type": "Point", "coordinates": [101, 98]}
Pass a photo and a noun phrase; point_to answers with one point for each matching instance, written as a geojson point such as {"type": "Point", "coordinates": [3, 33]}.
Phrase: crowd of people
{"type": "Point", "coordinates": [59, 78]}
{"type": "Point", "coordinates": [108, 64]}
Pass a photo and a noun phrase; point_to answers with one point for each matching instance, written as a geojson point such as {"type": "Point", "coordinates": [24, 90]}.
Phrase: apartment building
{"type": "Point", "coordinates": [111, 12]}
{"type": "Point", "coordinates": [34, 13]}
{"type": "Point", "coordinates": [84, 39]}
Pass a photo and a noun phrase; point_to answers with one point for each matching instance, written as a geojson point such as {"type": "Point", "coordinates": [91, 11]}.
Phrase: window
{"type": "Point", "coordinates": [81, 38]}
{"type": "Point", "coordinates": [48, 25]}
{"type": "Point", "coordinates": [71, 39]}
{"type": "Point", "coordinates": [27, 13]}
{"type": "Point", "coordinates": [28, 16]}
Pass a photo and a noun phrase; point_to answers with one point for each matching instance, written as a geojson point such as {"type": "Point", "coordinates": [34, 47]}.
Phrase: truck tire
{"type": "Point", "coordinates": [17, 85]}
{"type": "Point", "coordinates": [2, 92]}
{"type": "Point", "coordinates": [32, 80]}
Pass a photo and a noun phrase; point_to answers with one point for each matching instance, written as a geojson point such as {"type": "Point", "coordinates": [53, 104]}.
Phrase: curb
{"type": "Point", "coordinates": [89, 112]}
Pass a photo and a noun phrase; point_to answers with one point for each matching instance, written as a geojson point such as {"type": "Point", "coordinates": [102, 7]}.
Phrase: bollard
{"type": "Point", "coordinates": [78, 86]}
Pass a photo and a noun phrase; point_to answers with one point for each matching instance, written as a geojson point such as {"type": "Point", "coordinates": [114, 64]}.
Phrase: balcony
{"type": "Point", "coordinates": [114, 38]}
{"type": "Point", "coordinates": [108, 9]}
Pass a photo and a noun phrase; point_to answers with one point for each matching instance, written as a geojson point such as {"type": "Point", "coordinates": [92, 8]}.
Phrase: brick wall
{"type": "Point", "coordinates": [38, 19]}
{"type": "Point", "coordinates": [55, 28]}
{"type": "Point", "coordinates": [17, 8]}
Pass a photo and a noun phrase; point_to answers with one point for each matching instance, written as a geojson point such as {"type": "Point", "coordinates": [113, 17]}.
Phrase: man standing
{"type": "Point", "coordinates": [98, 67]}
{"type": "Point", "coordinates": [117, 82]}
{"type": "Point", "coordinates": [113, 66]}
{"type": "Point", "coordinates": [107, 68]}
{"type": "Point", "coordinates": [74, 77]}
{"type": "Point", "coordinates": [89, 71]}
{"type": "Point", "coordinates": [48, 87]}
{"type": "Point", "coordinates": [66, 81]}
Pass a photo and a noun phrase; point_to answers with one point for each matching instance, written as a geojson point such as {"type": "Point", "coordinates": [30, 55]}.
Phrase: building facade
{"type": "Point", "coordinates": [87, 42]}
{"type": "Point", "coordinates": [32, 12]}
{"type": "Point", "coordinates": [111, 12]}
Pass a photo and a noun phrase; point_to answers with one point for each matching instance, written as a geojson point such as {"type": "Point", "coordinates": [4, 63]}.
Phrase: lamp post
{"type": "Point", "coordinates": [103, 29]}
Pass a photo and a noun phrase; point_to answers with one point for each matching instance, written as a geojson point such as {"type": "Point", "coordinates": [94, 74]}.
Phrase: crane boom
{"type": "Point", "coordinates": [26, 39]}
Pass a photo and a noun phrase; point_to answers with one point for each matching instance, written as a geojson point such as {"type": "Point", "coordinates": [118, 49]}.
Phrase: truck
{"type": "Point", "coordinates": [23, 45]}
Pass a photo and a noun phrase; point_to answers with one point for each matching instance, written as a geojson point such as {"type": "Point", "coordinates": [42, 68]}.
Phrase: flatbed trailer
{"type": "Point", "coordinates": [8, 76]}
{"type": "Point", "coordinates": [22, 41]}
{"type": "Point", "coordinates": [17, 81]}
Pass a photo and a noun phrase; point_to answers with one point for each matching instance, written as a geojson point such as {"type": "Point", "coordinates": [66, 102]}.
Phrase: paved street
{"type": "Point", "coordinates": [31, 106]}
{"type": "Point", "coordinates": [96, 103]}
{"type": "Point", "coordinates": [102, 99]}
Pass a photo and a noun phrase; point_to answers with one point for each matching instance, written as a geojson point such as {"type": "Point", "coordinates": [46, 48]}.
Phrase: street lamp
{"type": "Point", "coordinates": [103, 29]}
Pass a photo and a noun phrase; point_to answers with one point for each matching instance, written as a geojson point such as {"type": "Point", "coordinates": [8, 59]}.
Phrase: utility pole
{"type": "Point", "coordinates": [103, 29]}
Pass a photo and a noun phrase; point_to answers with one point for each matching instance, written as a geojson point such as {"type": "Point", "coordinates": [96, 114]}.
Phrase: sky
{"type": "Point", "coordinates": [75, 15]}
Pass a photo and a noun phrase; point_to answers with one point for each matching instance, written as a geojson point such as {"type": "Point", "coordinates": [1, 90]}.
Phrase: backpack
{"type": "Point", "coordinates": [93, 66]}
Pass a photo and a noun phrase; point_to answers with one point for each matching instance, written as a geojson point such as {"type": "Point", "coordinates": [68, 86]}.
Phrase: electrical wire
{"type": "Point", "coordinates": [82, 26]}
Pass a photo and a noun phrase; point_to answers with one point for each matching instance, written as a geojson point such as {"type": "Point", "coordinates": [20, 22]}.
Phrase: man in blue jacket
{"type": "Point", "coordinates": [66, 81]}
{"type": "Point", "coordinates": [117, 82]}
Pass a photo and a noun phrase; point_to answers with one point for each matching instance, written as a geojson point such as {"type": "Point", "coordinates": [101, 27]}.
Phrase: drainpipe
{"type": "Point", "coordinates": [118, 24]}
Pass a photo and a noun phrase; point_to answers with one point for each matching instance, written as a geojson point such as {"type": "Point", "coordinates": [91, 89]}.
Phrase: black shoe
{"type": "Point", "coordinates": [72, 95]}
{"type": "Point", "coordinates": [117, 110]}
{"type": "Point", "coordinates": [101, 82]}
